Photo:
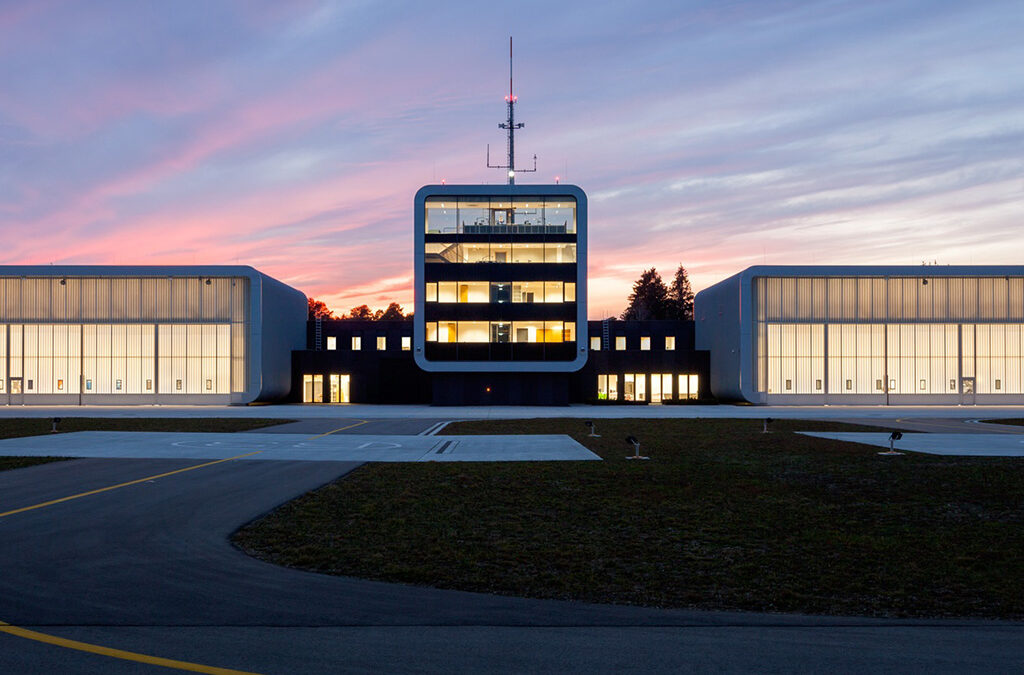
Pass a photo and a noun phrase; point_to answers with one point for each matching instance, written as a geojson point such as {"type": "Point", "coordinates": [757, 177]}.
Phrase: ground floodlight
{"type": "Point", "coordinates": [632, 440]}
{"type": "Point", "coordinates": [590, 425]}
{"type": "Point", "coordinates": [767, 421]}
{"type": "Point", "coordinates": [893, 437]}
{"type": "Point", "coordinates": [56, 421]}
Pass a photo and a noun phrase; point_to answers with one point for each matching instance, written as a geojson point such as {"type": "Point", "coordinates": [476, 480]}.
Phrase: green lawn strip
{"type": "Point", "coordinates": [1013, 422]}
{"type": "Point", "coordinates": [722, 517]}
{"type": "Point", "coordinates": [18, 427]}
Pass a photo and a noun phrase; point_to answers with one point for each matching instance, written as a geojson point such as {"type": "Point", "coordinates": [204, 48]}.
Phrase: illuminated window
{"type": "Point", "coordinates": [645, 343]}
{"type": "Point", "coordinates": [817, 385]}
{"type": "Point", "coordinates": [620, 343]}
{"type": "Point", "coordinates": [149, 385]}
{"type": "Point", "coordinates": [209, 385]}
{"type": "Point", "coordinates": [357, 343]}
{"type": "Point", "coordinates": [602, 387]}
{"type": "Point", "coordinates": [923, 385]}
{"type": "Point", "coordinates": [406, 343]}
{"type": "Point", "coordinates": [570, 291]}
{"type": "Point", "coordinates": [670, 343]}
{"type": "Point", "coordinates": [177, 385]}
{"type": "Point", "coordinates": [431, 295]}
{"type": "Point", "coordinates": [595, 344]}
{"type": "Point", "coordinates": [952, 385]}
{"type": "Point", "coordinates": [628, 387]}
{"type": "Point", "coordinates": [666, 385]}
{"type": "Point", "coordinates": [382, 343]}
{"type": "Point", "coordinates": [332, 343]}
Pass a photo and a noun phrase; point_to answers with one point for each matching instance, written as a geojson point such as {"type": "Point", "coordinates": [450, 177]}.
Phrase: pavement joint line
{"type": "Point", "coordinates": [122, 654]}
{"type": "Point", "coordinates": [121, 485]}
{"type": "Point", "coordinates": [351, 426]}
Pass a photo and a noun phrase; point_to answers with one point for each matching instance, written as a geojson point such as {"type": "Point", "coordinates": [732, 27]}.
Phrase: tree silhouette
{"type": "Point", "coordinates": [680, 297]}
{"type": "Point", "coordinates": [318, 309]}
{"type": "Point", "coordinates": [393, 312]}
{"type": "Point", "coordinates": [361, 312]}
{"type": "Point", "coordinates": [649, 299]}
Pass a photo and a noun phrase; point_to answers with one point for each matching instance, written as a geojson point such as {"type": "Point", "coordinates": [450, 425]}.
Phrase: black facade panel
{"type": "Point", "coordinates": [501, 388]}
{"type": "Point", "coordinates": [508, 272]}
{"type": "Point", "coordinates": [505, 311]}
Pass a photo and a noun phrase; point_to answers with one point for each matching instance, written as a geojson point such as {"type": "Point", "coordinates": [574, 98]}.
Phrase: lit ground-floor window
{"type": "Point", "coordinates": [313, 388]}
{"type": "Point", "coordinates": [608, 387]}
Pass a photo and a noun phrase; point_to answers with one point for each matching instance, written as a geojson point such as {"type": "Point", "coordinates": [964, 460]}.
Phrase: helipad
{"type": "Point", "coordinates": [337, 447]}
{"type": "Point", "coordinates": [980, 445]}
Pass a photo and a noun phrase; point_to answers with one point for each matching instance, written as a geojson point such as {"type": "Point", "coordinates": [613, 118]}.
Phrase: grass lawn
{"type": "Point", "coordinates": [722, 517]}
{"type": "Point", "coordinates": [30, 426]}
{"type": "Point", "coordinates": [1017, 422]}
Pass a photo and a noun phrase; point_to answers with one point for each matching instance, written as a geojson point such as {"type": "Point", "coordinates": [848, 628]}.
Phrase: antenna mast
{"type": "Point", "coordinates": [511, 126]}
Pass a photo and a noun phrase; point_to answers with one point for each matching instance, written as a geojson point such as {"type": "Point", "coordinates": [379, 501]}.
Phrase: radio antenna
{"type": "Point", "coordinates": [511, 126]}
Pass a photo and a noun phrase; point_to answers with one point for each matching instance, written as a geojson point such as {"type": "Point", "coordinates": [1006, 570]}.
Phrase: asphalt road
{"type": "Point", "coordinates": [147, 568]}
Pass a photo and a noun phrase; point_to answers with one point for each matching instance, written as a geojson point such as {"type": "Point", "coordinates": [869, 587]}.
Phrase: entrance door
{"type": "Point", "coordinates": [339, 388]}
{"type": "Point", "coordinates": [967, 391]}
{"type": "Point", "coordinates": [16, 392]}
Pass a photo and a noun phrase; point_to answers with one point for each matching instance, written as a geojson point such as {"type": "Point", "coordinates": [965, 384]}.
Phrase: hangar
{"type": "Point", "coordinates": [141, 334]}
{"type": "Point", "coordinates": [865, 335]}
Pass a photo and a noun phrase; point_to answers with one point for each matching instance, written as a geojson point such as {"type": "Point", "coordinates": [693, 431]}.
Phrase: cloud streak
{"type": "Point", "coordinates": [292, 136]}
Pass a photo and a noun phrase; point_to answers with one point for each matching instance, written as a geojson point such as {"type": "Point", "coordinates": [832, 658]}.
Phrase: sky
{"type": "Point", "coordinates": [292, 136]}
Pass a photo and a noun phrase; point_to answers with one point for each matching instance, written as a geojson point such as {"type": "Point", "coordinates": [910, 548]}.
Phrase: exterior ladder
{"type": "Point", "coordinates": [319, 333]}
{"type": "Point", "coordinates": [605, 331]}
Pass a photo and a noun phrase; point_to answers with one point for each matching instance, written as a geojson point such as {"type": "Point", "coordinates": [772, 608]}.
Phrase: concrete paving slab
{"type": "Point", "coordinates": [273, 446]}
{"type": "Point", "coordinates": [967, 445]}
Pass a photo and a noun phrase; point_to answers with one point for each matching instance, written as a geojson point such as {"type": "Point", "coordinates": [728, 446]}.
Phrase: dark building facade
{"type": "Point", "coordinates": [630, 362]}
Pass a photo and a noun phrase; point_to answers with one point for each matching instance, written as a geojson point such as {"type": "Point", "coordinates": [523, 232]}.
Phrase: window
{"type": "Point", "coordinates": [849, 385]}
{"type": "Point", "coordinates": [999, 384]}
{"type": "Point", "coordinates": [634, 387]}
{"type": "Point", "coordinates": [332, 343]}
{"type": "Point", "coordinates": [952, 385]}
{"type": "Point", "coordinates": [645, 343]}
{"type": "Point", "coordinates": [688, 385]}
{"type": "Point", "coordinates": [595, 344]}
{"type": "Point", "coordinates": [666, 385]}
{"type": "Point", "coordinates": [924, 385]}
{"type": "Point", "coordinates": [620, 343]}
{"type": "Point", "coordinates": [357, 343]}
{"type": "Point", "coordinates": [209, 385]}
{"type": "Point", "coordinates": [406, 343]}
{"type": "Point", "coordinates": [878, 385]}
{"type": "Point", "coordinates": [602, 387]}
{"type": "Point", "coordinates": [431, 292]}
{"type": "Point", "coordinates": [789, 385]}
{"type": "Point", "coordinates": [670, 343]}
{"type": "Point", "coordinates": [382, 343]}
{"type": "Point", "coordinates": [570, 291]}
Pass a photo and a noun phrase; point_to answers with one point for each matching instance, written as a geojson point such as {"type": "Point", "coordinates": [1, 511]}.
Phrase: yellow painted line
{"type": "Point", "coordinates": [116, 653]}
{"type": "Point", "coordinates": [351, 426]}
{"type": "Point", "coordinates": [121, 485]}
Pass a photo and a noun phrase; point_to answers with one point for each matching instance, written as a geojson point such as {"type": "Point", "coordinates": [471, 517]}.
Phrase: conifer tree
{"type": "Point", "coordinates": [649, 299]}
{"type": "Point", "coordinates": [680, 296]}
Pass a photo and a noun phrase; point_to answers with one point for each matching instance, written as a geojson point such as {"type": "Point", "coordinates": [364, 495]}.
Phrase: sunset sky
{"type": "Point", "coordinates": [291, 136]}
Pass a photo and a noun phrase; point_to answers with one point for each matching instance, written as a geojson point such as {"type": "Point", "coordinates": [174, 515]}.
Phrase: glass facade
{"type": "Point", "coordinates": [876, 336]}
{"type": "Point", "coordinates": [123, 335]}
{"type": "Point", "coordinates": [499, 280]}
